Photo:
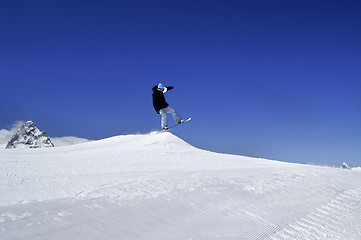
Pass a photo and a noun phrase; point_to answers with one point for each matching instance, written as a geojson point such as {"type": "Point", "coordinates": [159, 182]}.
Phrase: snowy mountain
{"type": "Point", "coordinates": [7, 134]}
{"type": "Point", "coordinates": [156, 186]}
{"type": "Point", "coordinates": [345, 166]}
{"type": "Point", "coordinates": [29, 136]}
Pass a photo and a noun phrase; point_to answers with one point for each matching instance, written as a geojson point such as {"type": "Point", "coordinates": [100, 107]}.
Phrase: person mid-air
{"type": "Point", "coordinates": [162, 107]}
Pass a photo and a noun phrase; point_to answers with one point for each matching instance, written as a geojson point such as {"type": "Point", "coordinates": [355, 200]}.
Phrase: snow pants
{"type": "Point", "coordinates": [163, 112]}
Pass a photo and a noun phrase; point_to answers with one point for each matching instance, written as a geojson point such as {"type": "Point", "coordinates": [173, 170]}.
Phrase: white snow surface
{"type": "Point", "coordinates": [156, 186]}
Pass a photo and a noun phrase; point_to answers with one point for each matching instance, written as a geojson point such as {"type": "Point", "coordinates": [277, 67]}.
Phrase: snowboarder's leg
{"type": "Point", "coordinates": [176, 117]}
{"type": "Point", "coordinates": [163, 121]}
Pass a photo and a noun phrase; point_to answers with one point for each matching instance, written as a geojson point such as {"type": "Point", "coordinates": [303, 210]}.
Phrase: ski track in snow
{"type": "Point", "coordinates": [337, 219]}
{"type": "Point", "coordinates": [159, 187]}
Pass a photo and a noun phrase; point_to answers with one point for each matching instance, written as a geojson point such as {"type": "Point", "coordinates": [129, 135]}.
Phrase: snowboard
{"type": "Point", "coordinates": [176, 125]}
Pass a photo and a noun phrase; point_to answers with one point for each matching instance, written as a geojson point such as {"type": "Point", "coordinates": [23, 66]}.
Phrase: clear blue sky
{"type": "Point", "coordinates": [272, 79]}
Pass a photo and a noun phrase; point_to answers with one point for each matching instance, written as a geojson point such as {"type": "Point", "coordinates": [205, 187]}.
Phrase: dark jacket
{"type": "Point", "coordinates": [159, 99]}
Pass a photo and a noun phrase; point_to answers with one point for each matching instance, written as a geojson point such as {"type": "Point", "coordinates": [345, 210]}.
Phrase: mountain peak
{"type": "Point", "coordinates": [29, 136]}
{"type": "Point", "coordinates": [345, 166]}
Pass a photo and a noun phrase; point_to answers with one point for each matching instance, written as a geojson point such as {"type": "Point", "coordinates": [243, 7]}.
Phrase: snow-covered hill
{"type": "Point", "coordinates": [156, 186]}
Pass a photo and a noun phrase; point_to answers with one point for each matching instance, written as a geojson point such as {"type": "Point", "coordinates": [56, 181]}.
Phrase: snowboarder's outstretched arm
{"type": "Point", "coordinates": [167, 88]}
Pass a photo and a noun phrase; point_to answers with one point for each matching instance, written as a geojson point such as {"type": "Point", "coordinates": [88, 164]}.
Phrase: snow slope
{"type": "Point", "coordinates": [156, 186]}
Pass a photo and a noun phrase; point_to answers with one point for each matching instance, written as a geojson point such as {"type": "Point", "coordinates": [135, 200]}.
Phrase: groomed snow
{"type": "Point", "coordinates": [156, 186]}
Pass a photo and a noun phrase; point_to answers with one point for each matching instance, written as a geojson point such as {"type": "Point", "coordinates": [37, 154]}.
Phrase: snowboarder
{"type": "Point", "coordinates": [162, 107]}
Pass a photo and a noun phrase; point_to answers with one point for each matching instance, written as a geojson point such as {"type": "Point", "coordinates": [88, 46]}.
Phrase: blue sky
{"type": "Point", "coordinates": [272, 79]}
